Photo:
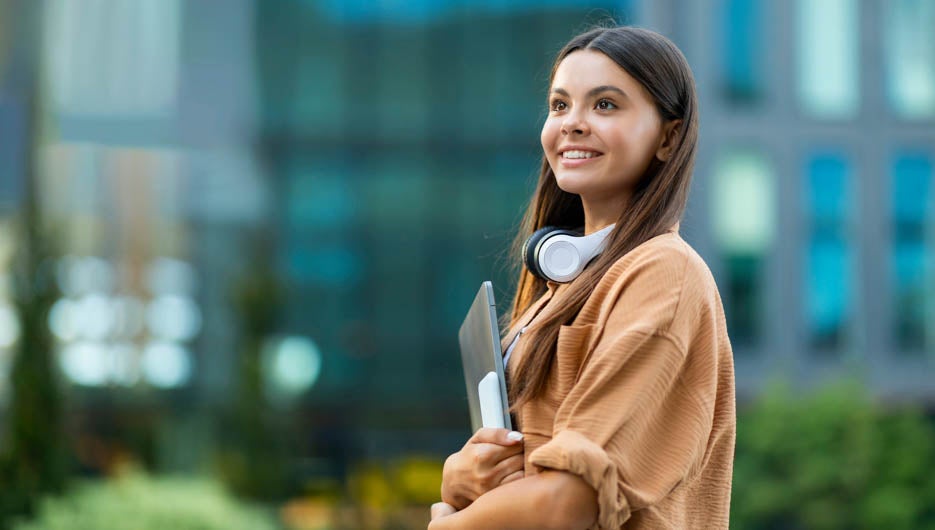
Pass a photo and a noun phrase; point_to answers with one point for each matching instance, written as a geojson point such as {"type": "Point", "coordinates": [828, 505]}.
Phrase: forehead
{"type": "Point", "coordinates": [582, 70]}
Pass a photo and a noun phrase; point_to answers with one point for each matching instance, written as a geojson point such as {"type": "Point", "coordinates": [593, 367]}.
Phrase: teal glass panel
{"type": "Point", "coordinates": [829, 262]}
{"type": "Point", "coordinates": [912, 277]}
{"type": "Point", "coordinates": [741, 50]}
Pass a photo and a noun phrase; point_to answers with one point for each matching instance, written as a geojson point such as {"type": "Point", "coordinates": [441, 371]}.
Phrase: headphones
{"type": "Point", "coordinates": [560, 255]}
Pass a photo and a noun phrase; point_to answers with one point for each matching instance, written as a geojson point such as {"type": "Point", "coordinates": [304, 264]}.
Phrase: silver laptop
{"type": "Point", "coordinates": [482, 359]}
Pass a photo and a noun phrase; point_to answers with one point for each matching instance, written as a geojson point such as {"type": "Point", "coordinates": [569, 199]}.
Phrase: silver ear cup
{"type": "Point", "coordinates": [562, 255]}
{"type": "Point", "coordinates": [559, 259]}
{"type": "Point", "coordinates": [540, 251]}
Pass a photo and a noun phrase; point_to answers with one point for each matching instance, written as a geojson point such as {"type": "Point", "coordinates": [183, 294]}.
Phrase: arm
{"type": "Point", "coordinates": [548, 500]}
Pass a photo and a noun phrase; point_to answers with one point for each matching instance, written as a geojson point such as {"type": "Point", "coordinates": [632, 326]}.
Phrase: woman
{"type": "Point", "coordinates": [621, 380]}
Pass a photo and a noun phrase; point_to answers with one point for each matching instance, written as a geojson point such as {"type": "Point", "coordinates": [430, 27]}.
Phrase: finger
{"type": "Point", "coordinates": [516, 475]}
{"type": "Point", "coordinates": [508, 466]}
{"type": "Point", "coordinates": [503, 437]}
{"type": "Point", "coordinates": [441, 509]}
{"type": "Point", "coordinates": [488, 455]}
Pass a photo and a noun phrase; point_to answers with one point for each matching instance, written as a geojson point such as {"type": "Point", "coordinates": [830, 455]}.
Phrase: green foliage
{"type": "Point", "coordinates": [832, 460]}
{"type": "Point", "coordinates": [33, 459]}
{"type": "Point", "coordinates": [251, 457]}
{"type": "Point", "coordinates": [135, 501]}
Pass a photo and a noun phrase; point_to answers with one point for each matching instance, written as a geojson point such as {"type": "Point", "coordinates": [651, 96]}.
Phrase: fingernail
{"type": "Point", "coordinates": [515, 436]}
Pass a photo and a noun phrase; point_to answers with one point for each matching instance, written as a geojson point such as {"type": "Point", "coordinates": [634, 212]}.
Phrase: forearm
{"type": "Point", "coordinates": [552, 499]}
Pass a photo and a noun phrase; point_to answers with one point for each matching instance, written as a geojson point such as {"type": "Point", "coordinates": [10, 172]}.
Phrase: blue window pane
{"type": "Point", "coordinates": [911, 260]}
{"type": "Point", "coordinates": [827, 187]}
{"type": "Point", "coordinates": [911, 189]}
{"type": "Point", "coordinates": [828, 291]}
{"type": "Point", "coordinates": [742, 37]}
{"type": "Point", "coordinates": [829, 275]}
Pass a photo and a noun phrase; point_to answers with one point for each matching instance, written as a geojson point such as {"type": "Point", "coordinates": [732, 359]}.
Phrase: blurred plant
{"type": "Point", "coordinates": [34, 458]}
{"type": "Point", "coordinates": [34, 461]}
{"type": "Point", "coordinates": [394, 496]}
{"type": "Point", "coordinates": [135, 500]}
{"type": "Point", "coordinates": [252, 459]}
{"type": "Point", "coordinates": [832, 460]}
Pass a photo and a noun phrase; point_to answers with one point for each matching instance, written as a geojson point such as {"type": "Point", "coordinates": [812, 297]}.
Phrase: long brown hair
{"type": "Point", "coordinates": [657, 203]}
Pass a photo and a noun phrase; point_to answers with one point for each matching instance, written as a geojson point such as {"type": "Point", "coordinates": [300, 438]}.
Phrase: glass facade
{"type": "Point", "coordinates": [390, 154]}
{"type": "Point", "coordinates": [405, 148]}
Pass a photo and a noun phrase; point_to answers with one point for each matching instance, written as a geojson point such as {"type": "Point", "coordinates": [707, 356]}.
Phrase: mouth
{"type": "Point", "coordinates": [578, 157]}
{"type": "Point", "coordinates": [578, 154]}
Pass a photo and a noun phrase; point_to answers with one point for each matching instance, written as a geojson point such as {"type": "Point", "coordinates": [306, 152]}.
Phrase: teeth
{"type": "Point", "coordinates": [579, 154]}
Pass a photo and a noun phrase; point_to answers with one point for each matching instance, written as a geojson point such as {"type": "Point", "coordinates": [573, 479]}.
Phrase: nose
{"type": "Point", "coordinates": [575, 123]}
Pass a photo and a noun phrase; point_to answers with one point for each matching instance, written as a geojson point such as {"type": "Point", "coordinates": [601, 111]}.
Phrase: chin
{"type": "Point", "coordinates": [571, 184]}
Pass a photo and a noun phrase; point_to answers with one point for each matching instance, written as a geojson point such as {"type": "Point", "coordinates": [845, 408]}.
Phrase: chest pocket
{"type": "Point", "coordinates": [571, 351]}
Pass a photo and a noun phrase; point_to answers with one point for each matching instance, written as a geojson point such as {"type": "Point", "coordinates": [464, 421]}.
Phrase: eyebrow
{"type": "Point", "coordinates": [594, 91]}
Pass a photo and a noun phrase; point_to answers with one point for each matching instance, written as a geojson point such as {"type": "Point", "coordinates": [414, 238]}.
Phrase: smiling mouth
{"type": "Point", "coordinates": [575, 154]}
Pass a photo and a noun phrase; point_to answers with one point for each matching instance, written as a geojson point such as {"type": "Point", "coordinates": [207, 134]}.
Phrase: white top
{"type": "Point", "coordinates": [509, 350]}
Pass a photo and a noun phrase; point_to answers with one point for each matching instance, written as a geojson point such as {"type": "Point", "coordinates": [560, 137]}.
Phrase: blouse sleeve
{"type": "Point", "coordinates": [636, 422]}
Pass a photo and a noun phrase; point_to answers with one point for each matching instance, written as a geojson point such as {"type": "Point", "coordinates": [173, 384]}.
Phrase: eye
{"type": "Point", "coordinates": [606, 104]}
{"type": "Point", "coordinates": [557, 105]}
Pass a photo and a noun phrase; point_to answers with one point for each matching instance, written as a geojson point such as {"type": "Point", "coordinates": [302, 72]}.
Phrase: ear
{"type": "Point", "coordinates": [670, 134]}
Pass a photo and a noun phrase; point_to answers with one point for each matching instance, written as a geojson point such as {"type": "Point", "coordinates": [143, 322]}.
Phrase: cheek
{"type": "Point", "coordinates": [634, 139]}
{"type": "Point", "coordinates": [548, 136]}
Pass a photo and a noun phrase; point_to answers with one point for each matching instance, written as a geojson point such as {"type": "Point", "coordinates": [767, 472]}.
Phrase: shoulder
{"type": "Point", "coordinates": [660, 281]}
{"type": "Point", "coordinates": [665, 262]}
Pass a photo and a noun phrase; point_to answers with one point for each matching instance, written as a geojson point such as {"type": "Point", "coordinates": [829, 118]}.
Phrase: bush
{"type": "Point", "coordinates": [832, 460]}
{"type": "Point", "coordinates": [135, 501]}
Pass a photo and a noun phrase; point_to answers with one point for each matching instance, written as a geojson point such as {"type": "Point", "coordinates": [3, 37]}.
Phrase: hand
{"type": "Point", "coordinates": [491, 457]}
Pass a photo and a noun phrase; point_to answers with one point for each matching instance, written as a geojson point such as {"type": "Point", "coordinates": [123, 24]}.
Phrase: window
{"type": "Point", "coordinates": [829, 259]}
{"type": "Point", "coordinates": [910, 57]}
{"type": "Point", "coordinates": [92, 75]}
{"type": "Point", "coordinates": [827, 58]}
{"type": "Point", "coordinates": [911, 261]}
{"type": "Point", "coordinates": [744, 221]}
{"type": "Point", "coordinates": [741, 50]}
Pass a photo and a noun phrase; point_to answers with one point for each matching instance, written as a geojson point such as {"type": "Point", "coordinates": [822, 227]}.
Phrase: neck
{"type": "Point", "coordinates": [600, 214]}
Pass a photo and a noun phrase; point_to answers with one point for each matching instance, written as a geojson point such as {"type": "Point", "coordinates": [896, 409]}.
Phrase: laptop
{"type": "Point", "coordinates": [479, 338]}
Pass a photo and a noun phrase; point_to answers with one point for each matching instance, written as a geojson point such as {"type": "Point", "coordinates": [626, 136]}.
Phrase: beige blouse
{"type": "Point", "coordinates": [640, 403]}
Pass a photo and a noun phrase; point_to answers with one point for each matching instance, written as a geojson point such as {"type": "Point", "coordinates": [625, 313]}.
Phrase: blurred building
{"type": "Point", "coordinates": [365, 164]}
{"type": "Point", "coordinates": [812, 200]}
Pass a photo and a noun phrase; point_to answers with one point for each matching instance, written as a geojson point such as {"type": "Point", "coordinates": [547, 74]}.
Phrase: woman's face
{"type": "Point", "coordinates": [603, 128]}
